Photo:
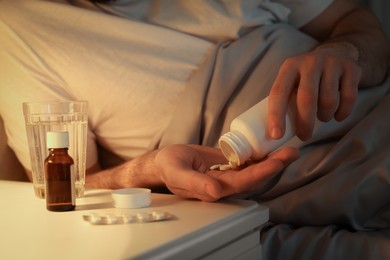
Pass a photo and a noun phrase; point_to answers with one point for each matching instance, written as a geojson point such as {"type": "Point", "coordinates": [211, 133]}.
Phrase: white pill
{"type": "Point", "coordinates": [144, 217]}
{"type": "Point", "coordinates": [225, 167]}
{"type": "Point", "coordinates": [110, 219]}
{"type": "Point", "coordinates": [215, 167]}
{"type": "Point", "coordinates": [159, 215]}
{"type": "Point", "coordinates": [233, 165]}
{"type": "Point", "coordinates": [128, 218]}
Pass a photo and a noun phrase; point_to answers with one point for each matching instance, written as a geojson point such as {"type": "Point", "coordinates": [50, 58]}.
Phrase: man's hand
{"type": "Point", "coordinates": [353, 52]}
{"type": "Point", "coordinates": [185, 171]}
{"type": "Point", "coordinates": [326, 84]}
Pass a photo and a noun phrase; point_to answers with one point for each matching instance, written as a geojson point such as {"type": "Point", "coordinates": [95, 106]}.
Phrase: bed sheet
{"type": "Point", "coordinates": [334, 201]}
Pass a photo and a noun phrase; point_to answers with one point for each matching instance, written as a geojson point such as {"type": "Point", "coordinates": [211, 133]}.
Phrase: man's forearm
{"type": "Point", "coordinates": [138, 172]}
{"type": "Point", "coordinates": [370, 41]}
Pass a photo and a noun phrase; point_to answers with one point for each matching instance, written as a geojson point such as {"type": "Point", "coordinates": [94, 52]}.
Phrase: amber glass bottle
{"type": "Point", "coordinates": [60, 183]}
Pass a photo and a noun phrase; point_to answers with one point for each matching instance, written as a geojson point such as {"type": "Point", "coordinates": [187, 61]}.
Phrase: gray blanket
{"type": "Point", "coordinates": [333, 202]}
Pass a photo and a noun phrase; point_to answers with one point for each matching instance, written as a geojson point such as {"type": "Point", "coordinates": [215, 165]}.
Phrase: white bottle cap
{"type": "Point", "coordinates": [57, 139]}
{"type": "Point", "coordinates": [131, 198]}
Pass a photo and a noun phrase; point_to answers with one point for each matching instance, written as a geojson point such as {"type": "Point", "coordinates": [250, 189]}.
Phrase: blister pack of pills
{"type": "Point", "coordinates": [142, 217]}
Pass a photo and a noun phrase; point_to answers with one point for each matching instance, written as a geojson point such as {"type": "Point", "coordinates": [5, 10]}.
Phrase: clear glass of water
{"type": "Point", "coordinates": [42, 117]}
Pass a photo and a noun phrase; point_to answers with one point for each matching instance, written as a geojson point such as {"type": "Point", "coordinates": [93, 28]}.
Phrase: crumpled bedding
{"type": "Point", "coordinates": [334, 201]}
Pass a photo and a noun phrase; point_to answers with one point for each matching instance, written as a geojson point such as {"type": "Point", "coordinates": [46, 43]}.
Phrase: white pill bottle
{"type": "Point", "coordinates": [248, 137]}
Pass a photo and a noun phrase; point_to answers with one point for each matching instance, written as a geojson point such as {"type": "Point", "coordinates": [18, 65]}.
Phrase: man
{"type": "Point", "coordinates": [352, 52]}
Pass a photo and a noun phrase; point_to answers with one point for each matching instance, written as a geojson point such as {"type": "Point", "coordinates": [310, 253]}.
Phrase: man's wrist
{"type": "Point", "coordinates": [140, 172]}
{"type": "Point", "coordinates": [346, 47]}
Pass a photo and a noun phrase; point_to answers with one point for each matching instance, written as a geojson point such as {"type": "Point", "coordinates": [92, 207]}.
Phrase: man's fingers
{"type": "Point", "coordinates": [256, 175]}
{"type": "Point", "coordinates": [307, 101]}
{"type": "Point", "coordinates": [180, 176]}
{"type": "Point", "coordinates": [191, 195]}
{"type": "Point", "coordinates": [348, 92]}
{"type": "Point", "coordinates": [193, 184]}
{"type": "Point", "coordinates": [328, 99]}
{"type": "Point", "coordinates": [278, 100]}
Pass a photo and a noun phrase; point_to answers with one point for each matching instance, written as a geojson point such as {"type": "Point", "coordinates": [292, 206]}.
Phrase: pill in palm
{"type": "Point", "coordinates": [221, 167]}
{"type": "Point", "coordinates": [215, 167]}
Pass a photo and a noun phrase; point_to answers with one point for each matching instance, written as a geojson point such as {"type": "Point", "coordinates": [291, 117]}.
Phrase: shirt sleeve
{"type": "Point", "coordinates": [303, 11]}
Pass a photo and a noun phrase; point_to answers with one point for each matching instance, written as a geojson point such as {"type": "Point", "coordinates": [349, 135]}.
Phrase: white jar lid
{"type": "Point", "coordinates": [57, 139]}
{"type": "Point", "coordinates": [131, 198]}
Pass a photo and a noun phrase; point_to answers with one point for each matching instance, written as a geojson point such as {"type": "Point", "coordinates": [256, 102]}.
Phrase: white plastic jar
{"type": "Point", "coordinates": [248, 138]}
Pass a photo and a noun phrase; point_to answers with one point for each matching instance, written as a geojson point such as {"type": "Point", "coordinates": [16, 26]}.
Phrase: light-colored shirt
{"type": "Point", "coordinates": [131, 60]}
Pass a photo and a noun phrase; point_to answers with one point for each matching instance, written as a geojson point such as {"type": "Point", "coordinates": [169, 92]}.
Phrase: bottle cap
{"type": "Point", "coordinates": [57, 139]}
{"type": "Point", "coordinates": [131, 198]}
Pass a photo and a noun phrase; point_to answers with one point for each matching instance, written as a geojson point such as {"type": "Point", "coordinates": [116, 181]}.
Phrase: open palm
{"type": "Point", "coordinates": [185, 171]}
